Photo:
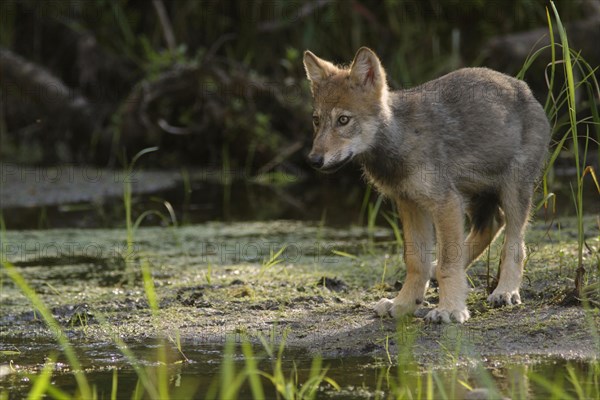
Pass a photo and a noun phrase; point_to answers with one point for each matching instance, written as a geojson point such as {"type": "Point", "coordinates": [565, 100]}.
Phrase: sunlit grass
{"type": "Point", "coordinates": [54, 327]}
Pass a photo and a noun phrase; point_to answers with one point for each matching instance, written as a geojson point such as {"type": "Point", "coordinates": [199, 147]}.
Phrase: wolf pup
{"type": "Point", "coordinates": [472, 143]}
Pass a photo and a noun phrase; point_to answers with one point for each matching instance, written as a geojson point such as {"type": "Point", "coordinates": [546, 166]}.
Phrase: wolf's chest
{"type": "Point", "coordinates": [401, 180]}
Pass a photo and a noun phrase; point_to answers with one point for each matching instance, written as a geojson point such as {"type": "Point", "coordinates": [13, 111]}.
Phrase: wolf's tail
{"type": "Point", "coordinates": [485, 207]}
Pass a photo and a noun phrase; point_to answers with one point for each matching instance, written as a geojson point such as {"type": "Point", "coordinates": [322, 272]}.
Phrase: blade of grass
{"type": "Point", "coordinates": [230, 382]}
{"type": "Point", "coordinates": [57, 394]}
{"type": "Point", "coordinates": [364, 204]}
{"type": "Point", "coordinates": [115, 384]}
{"type": "Point", "coordinates": [143, 378]}
{"type": "Point", "coordinates": [42, 380]}
{"type": "Point", "coordinates": [574, 379]}
{"type": "Point", "coordinates": [555, 389]}
{"type": "Point", "coordinates": [163, 378]}
{"type": "Point", "coordinates": [252, 371]}
{"type": "Point", "coordinates": [395, 228]}
{"type": "Point", "coordinates": [149, 287]}
{"type": "Point", "coordinates": [53, 326]}
{"type": "Point", "coordinates": [552, 61]}
{"type": "Point", "coordinates": [568, 67]}
{"type": "Point", "coordinates": [273, 260]}
{"type": "Point", "coordinates": [344, 254]}
{"type": "Point", "coordinates": [127, 199]}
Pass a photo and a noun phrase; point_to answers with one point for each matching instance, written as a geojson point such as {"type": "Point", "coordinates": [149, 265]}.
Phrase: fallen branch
{"type": "Point", "coordinates": [25, 79]}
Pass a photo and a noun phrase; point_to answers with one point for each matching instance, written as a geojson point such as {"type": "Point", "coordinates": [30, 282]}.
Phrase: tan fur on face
{"type": "Point", "coordinates": [356, 91]}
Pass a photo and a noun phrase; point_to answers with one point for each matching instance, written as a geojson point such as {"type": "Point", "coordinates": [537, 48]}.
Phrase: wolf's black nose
{"type": "Point", "coordinates": [315, 160]}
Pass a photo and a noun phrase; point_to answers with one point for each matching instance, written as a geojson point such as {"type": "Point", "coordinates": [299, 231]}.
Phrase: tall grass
{"type": "Point", "coordinates": [573, 127]}
{"type": "Point", "coordinates": [127, 202]}
{"type": "Point", "coordinates": [410, 381]}
{"type": "Point", "coordinates": [571, 62]}
{"type": "Point", "coordinates": [231, 380]}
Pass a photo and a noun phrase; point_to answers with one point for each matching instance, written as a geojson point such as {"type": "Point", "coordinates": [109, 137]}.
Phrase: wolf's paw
{"type": "Point", "coordinates": [402, 308]}
{"type": "Point", "coordinates": [383, 306]}
{"type": "Point", "coordinates": [394, 308]}
{"type": "Point", "coordinates": [504, 298]}
{"type": "Point", "coordinates": [438, 315]}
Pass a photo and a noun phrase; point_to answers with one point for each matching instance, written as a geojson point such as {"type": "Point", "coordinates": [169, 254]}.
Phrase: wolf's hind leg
{"type": "Point", "coordinates": [516, 203]}
{"type": "Point", "coordinates": [419, 250]}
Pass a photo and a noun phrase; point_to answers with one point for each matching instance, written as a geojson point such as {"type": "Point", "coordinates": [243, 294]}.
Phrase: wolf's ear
{"type": "Point", "coordinates": [316, 68]}
{"type": "Point", "coordinates": [366, 70]}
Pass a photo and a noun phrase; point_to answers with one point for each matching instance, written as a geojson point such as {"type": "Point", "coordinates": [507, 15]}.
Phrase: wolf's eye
{"type": "Point", "coordinates": [343, 120]}
{"type": "Point", "coordinates": [315, 120]}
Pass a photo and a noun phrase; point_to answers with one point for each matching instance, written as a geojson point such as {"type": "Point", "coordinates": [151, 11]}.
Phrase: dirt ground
{"type": "Point", "coordinates": [222, 280]}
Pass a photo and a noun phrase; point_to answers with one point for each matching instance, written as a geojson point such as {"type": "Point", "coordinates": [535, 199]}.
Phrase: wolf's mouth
{"type": "Point", "coordinates": [330, 169]}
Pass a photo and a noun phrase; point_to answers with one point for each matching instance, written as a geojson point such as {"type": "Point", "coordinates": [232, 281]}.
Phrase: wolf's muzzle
{"type": "Point", "coordinates": [331, 168]}
{"type": "Point", "coordinates": [315, 161]}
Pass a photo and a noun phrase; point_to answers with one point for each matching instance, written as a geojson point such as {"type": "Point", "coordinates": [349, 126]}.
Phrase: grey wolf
{"type": "Point", "coordinates": [471, 143]}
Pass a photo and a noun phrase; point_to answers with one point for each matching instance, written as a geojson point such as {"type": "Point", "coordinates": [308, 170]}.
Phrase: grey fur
{"type": "Point", "coordinates": [489, 133]}
{"type": "Point", "coordinates": [471, 142]}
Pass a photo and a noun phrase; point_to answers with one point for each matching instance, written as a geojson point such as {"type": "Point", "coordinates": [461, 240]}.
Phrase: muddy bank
{"type": "Point", "coordinates": [217, 281]}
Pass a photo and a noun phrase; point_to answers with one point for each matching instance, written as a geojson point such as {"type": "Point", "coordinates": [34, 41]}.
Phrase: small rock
{"type": "Point", "coordinates": [334, 284]}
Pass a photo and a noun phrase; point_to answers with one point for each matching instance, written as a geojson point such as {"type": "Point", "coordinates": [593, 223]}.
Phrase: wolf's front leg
{"type": "Point", "coordinates": [452, 256]}
{"type": "Point", "coordinates": [418, 254]}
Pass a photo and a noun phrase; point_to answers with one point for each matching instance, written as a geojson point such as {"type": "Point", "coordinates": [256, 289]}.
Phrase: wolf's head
{"type": "Point", "coordinates": [350, 104]}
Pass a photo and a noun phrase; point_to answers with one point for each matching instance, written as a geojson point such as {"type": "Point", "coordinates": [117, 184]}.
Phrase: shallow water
{"type": "Point", "coordinates": [92, 198]}
{"type": "Point", "coordinates": [357, 377]}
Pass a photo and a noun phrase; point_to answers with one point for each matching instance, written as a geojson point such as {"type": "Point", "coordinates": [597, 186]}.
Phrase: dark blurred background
{"type": "Point", "coordinates": [219, 87]}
